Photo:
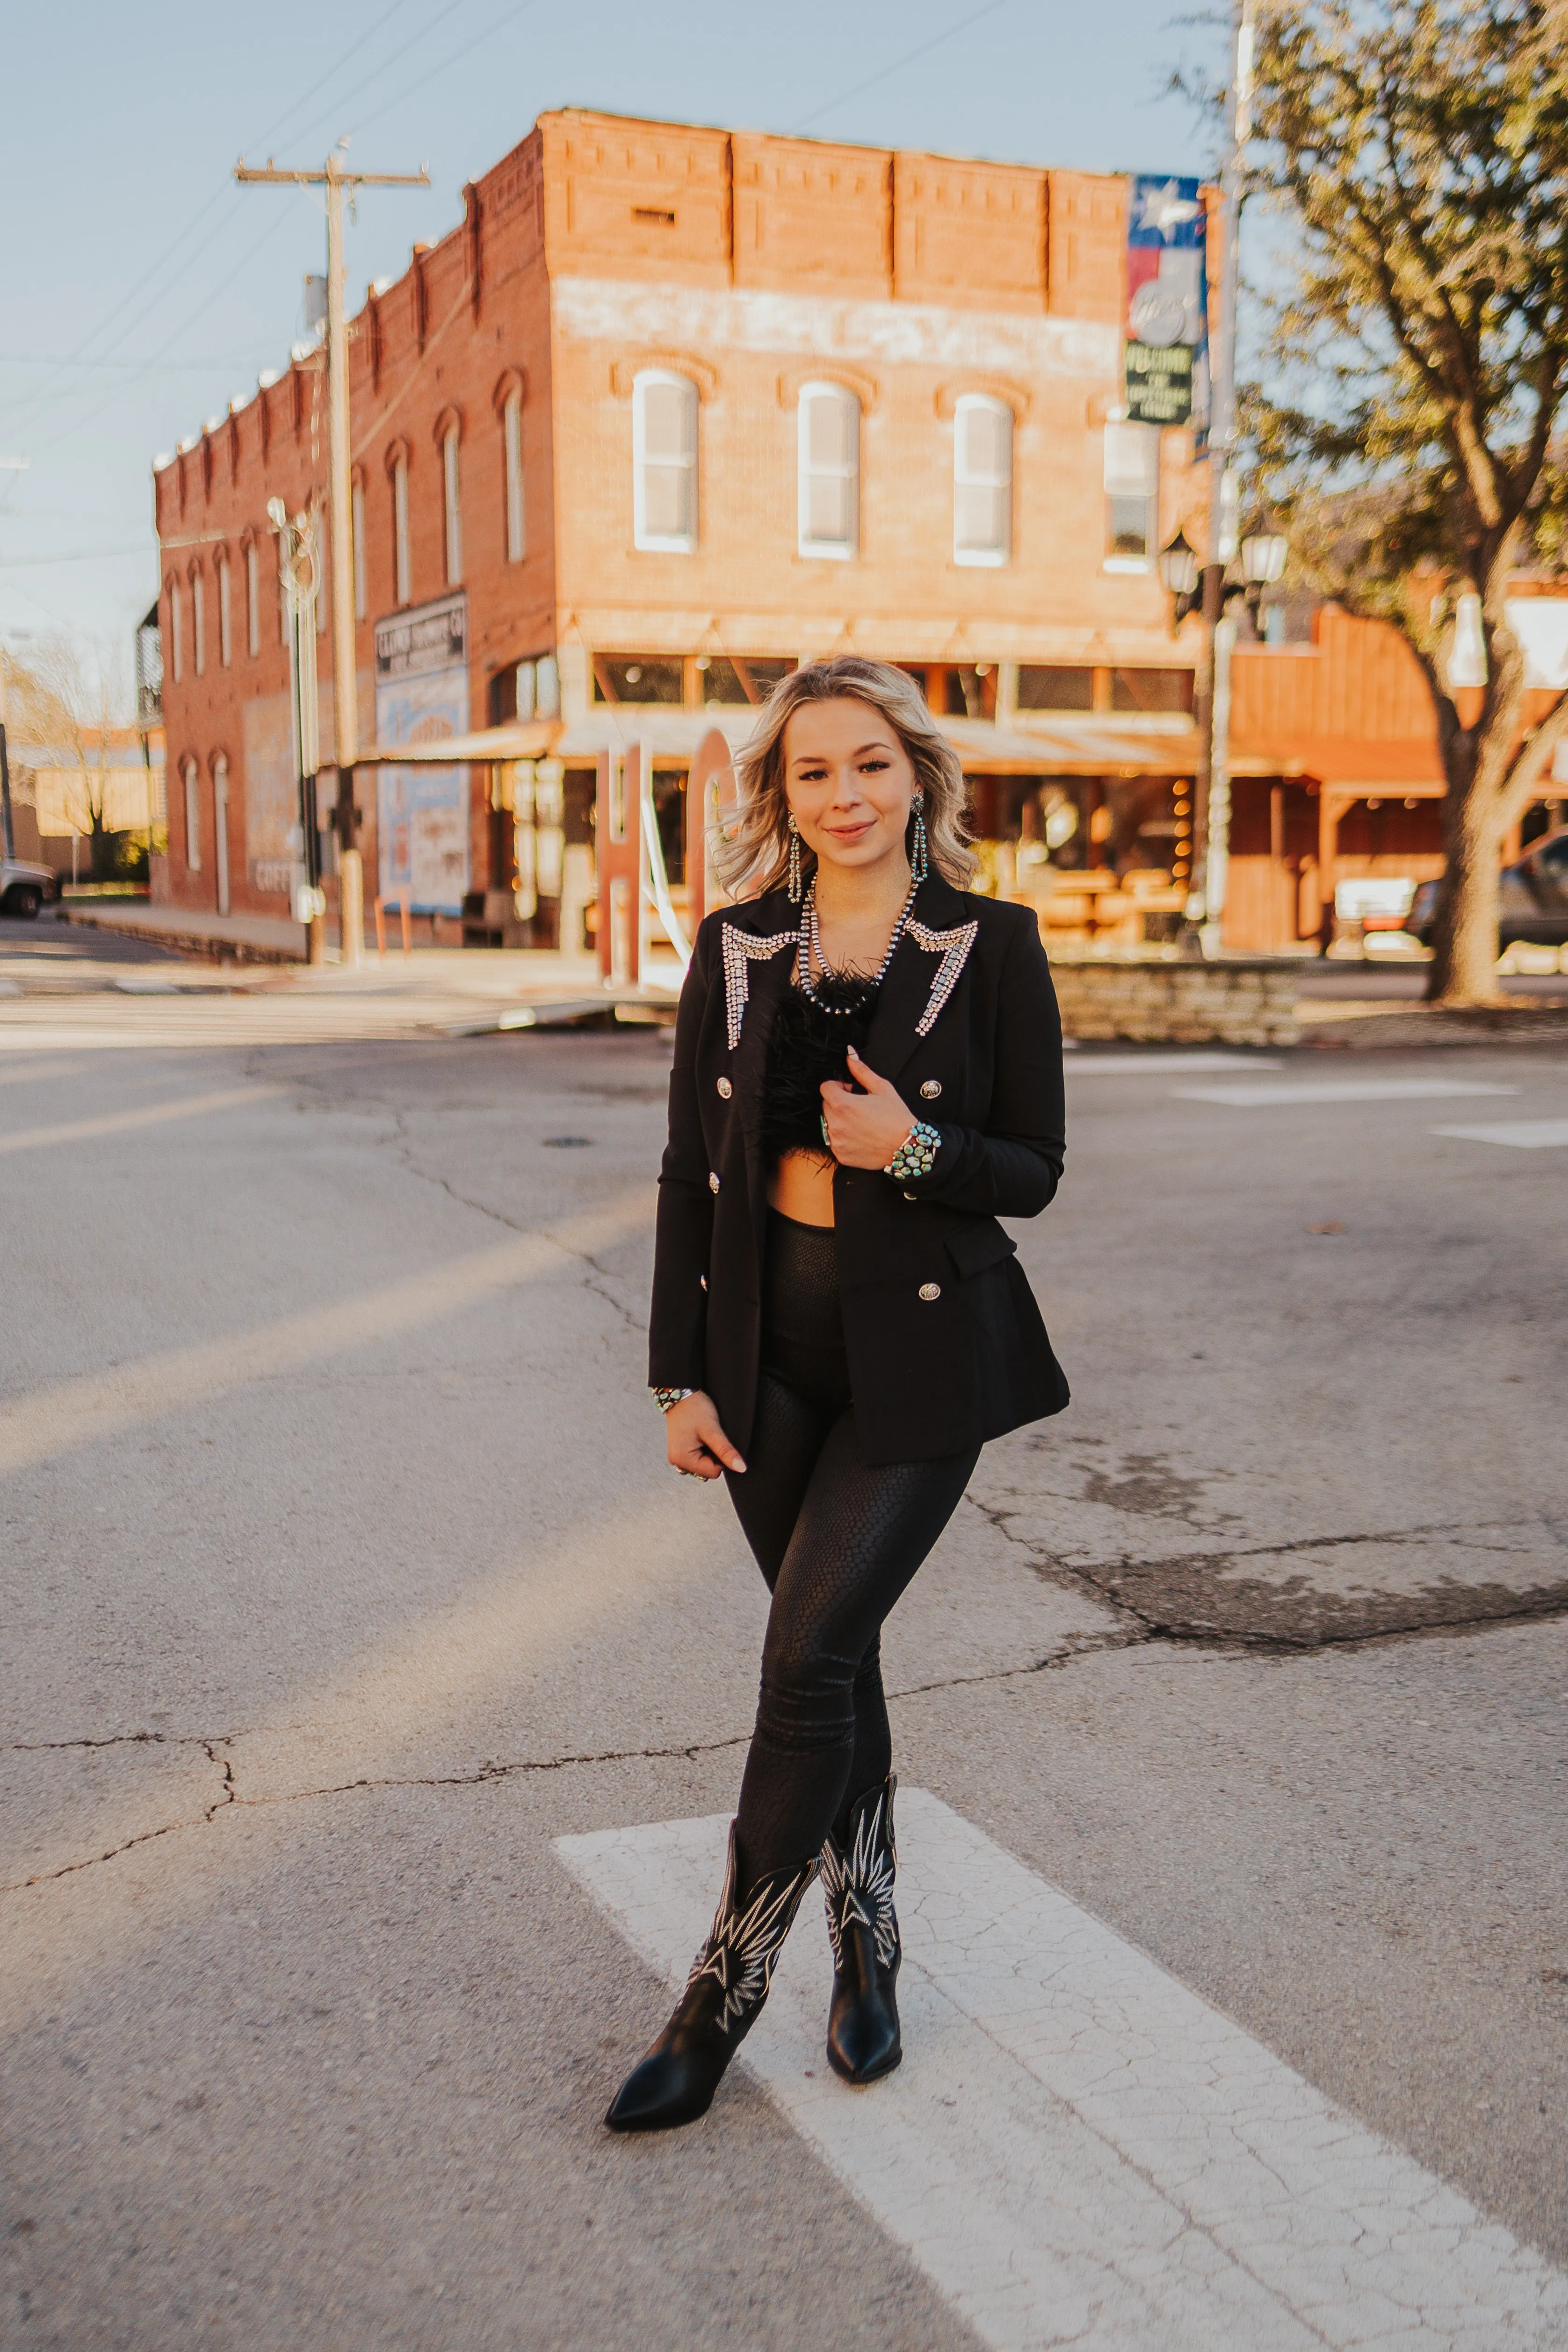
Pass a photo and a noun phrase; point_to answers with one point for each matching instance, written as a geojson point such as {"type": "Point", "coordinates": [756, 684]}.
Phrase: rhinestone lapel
{"type": "Point", "coordinates": [741, 950]}
{"type": "Point", "coordinates": [953, 949]}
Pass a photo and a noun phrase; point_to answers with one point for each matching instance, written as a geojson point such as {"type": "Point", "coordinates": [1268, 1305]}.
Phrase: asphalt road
{"type": "Point", "coordinates": [341, 1575]}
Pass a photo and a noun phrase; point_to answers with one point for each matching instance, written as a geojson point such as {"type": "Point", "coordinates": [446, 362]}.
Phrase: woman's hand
{"type": "Point", "coordinates": [694, 1440]}
{"type": "Point", "coordinates": [865, 1130]}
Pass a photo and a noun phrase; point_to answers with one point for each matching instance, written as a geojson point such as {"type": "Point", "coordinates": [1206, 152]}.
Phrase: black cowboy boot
{"type": "Point", "coordinates": [723, 1998]}
{"type": "Point", "coordinates": [857, 1884]}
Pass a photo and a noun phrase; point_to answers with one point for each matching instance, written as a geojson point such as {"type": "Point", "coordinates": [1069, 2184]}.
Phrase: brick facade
{"type": "Point", "coordinates": [750, 266]}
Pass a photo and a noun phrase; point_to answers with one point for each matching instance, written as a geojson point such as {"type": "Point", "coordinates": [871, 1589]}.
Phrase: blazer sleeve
{"type": "Point", "coordinates": [683, 1233]}
{"type": "Point", "coordinates": [1013, 1168]}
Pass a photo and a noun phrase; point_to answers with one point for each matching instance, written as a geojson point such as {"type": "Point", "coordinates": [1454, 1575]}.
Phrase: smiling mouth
{"type": "Point", "coordinates": [850, 831]}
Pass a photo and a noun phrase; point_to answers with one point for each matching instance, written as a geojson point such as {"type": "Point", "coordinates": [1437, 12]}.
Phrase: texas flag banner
{"type": "Point", "coordinates": [1166, 358]}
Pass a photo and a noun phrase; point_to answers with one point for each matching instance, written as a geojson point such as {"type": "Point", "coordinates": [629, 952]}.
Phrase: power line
{"type": "Point", "coordinates": [142, 367]}
{"type": "Point", "coordinates": [900, 63]}
{"type": "Point", "coordinates": [456, 58]}
{"type": "Point", "coordinates": [385, 66]}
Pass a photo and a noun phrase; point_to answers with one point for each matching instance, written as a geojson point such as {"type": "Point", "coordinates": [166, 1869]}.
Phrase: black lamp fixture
{"type": "Point", "coordinates": [1179, 566]}
{"type": "Point", "coordinates": [1263, 555]}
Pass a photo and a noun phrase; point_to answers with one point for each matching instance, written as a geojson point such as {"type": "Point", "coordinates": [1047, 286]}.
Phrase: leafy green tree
{"type": "Point", "coordinates": [1412, 433]}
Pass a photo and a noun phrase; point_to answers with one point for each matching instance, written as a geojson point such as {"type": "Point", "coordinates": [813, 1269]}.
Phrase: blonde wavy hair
{"type": "Point", "coordinates": [752, 854]}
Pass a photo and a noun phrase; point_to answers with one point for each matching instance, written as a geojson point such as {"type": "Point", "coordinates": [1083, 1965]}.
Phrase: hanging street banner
{"type": "Point", "coordinates": [1165, 366]}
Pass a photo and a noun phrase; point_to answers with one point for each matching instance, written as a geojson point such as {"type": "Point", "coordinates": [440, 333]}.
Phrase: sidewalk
{"type": "Point", "coordinates": [258, 938]}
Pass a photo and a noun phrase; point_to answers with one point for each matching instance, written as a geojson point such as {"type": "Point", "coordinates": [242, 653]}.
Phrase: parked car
{"type": "Point", "coordinates": [23, 887]}
{"type": "Point", "coordinates": [1532, 898]}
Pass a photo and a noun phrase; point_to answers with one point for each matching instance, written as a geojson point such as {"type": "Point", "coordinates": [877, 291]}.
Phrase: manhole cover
{"type": "Point", "coordinates": [567, 1142]}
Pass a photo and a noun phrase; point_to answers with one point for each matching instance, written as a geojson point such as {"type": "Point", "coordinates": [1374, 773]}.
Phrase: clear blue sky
{"type": "Point", "coordinates": [142, 289]}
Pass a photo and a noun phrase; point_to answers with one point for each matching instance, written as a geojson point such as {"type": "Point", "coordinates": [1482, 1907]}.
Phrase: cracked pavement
{"type": "Point", "coordinates": [342, 1574]}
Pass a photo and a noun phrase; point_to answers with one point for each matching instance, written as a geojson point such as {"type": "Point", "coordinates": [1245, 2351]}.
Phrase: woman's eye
{"type": "Point", "coordinates": [874, 767]}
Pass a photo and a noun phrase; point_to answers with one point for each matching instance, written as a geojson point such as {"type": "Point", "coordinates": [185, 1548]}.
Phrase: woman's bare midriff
{"type": "Point", "coordinates": [801, 1187]}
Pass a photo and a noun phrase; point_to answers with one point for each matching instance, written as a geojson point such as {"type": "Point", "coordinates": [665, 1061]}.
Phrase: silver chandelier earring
{"type": "Point", "coordinates": [920, 862]}
{"type": "Point", "coordinates": [794, 858]}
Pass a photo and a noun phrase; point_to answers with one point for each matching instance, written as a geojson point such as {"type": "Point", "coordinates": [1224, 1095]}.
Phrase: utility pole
{"type": "Point", "coordinates": [345, 691]}
{"type": "Point", "coordinates": [1212, 843]}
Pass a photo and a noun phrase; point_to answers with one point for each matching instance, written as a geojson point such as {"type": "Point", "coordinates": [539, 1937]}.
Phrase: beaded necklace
{"type": "Point", "coordinates": [811, 946]}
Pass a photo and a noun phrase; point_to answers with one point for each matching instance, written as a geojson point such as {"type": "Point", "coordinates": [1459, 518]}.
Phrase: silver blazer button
{"type": "Point", "coordinates": [930, 1290]}
{"type": "Point", "coordinates": [931, 1089]}
{"type": "Point", "coordinates": [725, 1089]}
{"type": "Point", "coordinates": [712, 1181]}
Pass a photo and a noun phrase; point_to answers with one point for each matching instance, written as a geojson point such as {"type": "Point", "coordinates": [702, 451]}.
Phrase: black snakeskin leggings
{"type": "Point", "coordinates": [839, 1541]}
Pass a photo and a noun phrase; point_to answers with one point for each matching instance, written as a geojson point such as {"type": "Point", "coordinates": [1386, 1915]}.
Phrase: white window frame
{"type": "Point", "coordinates": [837, 550]}
{"type": "Point", "coordinates": [1124, 480]}
{"type": "Point", "coordinates": [401, 569]}
{"type": "Point", "coordinates": [199, 624]}
{"type": "Point", "coordinates": [660, 543]}
{"type": "Point", "coordinates": [516, 514]}
{"type": "Point", "coordinates": [220, 831]}
{"type": "Point", "coordinates": [320, 565]}
{"type": "Point", "coordinates": [177, 630]}
{"type": "Point", "coordinates": [252, 601]}
{"type": "Point", "coordinates": [192, 816]}
{"type": "Point", "coordinates": [452, 506]}
{"type": "Point", "coordinates": [356, 513]}
{"type": "Point", "coordinates": [225, 618]}
{"type": "Point", "coordinates": [964, 476]}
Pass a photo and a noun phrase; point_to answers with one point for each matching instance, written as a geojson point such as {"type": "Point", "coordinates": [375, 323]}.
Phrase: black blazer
{"type": "Point", "coordinates": [945, 1343]}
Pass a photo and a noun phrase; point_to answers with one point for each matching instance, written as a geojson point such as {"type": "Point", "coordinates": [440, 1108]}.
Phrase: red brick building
{"type": "Point", "coordinates": [671, 409]}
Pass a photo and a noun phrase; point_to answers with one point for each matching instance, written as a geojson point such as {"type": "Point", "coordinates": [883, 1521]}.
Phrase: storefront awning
{"type": "Point", "coordinates": [1052, 748]}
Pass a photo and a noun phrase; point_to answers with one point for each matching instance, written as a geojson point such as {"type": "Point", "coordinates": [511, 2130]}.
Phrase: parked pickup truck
{"type": "Point", "coordinates": [1532, 898]}
{"type": "Point", "coordinates": [23, 887]}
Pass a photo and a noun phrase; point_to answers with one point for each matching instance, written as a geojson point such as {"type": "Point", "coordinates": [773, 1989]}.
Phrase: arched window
{"type": "Point", "coordinates": [252, 601]}
{"type": "Point", "coordinates": [224, 627]}
{"type": "Point", "coordinates": [982, 480]}
{"type": "Point", "coordinates": [220, 829]}
{"type": "Point", "coordinates": [452, 498]}
{"type": "Point", "coordinates": [512, 436]}
{"type": "Point", "coordinates": [402, 575]}
{"type": "Point", "coordinates": [664, 462]}
{"type": "Point", "coordinates": [199, 622]}
{"type": "Point", "coordinates": [176, 632]}
{"type": "Point", "coordinates": [193, 819]}
{"type": "Point", "coordinates": [829, 470]}
{"type": "Point", "coordinates": [356, 516]}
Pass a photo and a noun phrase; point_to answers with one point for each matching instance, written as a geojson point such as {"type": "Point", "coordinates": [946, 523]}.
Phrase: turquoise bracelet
{"type": "Point", "coordinates": [916, 1156]}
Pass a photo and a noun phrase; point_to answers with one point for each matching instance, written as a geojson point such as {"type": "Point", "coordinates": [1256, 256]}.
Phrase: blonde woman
{"type": "Point", "coordinates": [867, 1073]}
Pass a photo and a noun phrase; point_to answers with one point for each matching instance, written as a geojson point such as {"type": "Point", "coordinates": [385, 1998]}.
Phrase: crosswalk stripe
{"type": "Point", "coordinates": [1076, 2149]}
{"type": "Point", "coordinates": [1523, 1134]}
{"type": "Point", "coordinates": [1339, 1090]}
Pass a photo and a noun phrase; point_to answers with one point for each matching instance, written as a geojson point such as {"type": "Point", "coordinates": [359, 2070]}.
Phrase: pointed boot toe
{"type": "Point", "coordinates": [675, 2082]}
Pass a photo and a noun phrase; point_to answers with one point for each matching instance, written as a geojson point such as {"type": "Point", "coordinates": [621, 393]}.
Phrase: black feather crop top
{"type": "Point", "coordinates": [807, 1046]}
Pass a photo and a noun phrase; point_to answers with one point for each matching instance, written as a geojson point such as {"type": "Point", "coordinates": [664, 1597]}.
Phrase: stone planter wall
{"type": "Point", "coordinates": [1148, 1000]}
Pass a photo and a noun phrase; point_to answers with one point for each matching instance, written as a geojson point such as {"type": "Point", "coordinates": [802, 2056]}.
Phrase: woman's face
{"type": "Point", "coordinates": [849, 781]}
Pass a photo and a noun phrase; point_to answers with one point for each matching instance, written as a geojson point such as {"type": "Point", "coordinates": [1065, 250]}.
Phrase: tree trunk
{"type": "Point", "coordinates": [1465, 948]}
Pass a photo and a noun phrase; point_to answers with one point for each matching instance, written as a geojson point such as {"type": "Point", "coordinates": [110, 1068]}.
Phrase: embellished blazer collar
{"type": "Point", "coordinates": [758, 943]}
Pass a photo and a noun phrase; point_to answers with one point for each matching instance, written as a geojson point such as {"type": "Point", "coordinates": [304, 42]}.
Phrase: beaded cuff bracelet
{"type": "Point", "coordinates": [665, 1398]}
{"type": "Point", "coordinates": [916, 1156]}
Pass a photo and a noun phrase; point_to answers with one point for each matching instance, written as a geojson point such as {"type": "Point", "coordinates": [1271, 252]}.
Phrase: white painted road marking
{"type": "Point", "coordinates": [1078, 2150]}
{"type": "Point", "coordinates": [122, 1122]}
{"type": "Point", "coordinates": [1335, 1090]}
{"type": "Point", "coordinates": [1523, 1134]}
{"type": "Point", "coordinates": [1116, 1065]}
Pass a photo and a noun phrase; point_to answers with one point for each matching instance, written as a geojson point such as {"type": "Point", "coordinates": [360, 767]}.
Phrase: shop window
{"type": "Point", "coordinates": [401, 571]}
{"type": "Point", "coordinates": [982, 480]}
{"type": "Point", "coordinates": [252, 601]}
{"type": "Point", "coordinates": [1152, 689]}
{"type": "Point", "coordinates": [511, 437]}
{"type": "Point", "coordinates": [664, 463]}
{"type": "Point", "coordinates": [452, 506]}
{"type": "Point", "coordinates": [1046, 688]}
{"type": "Point", "coordinates": [637, 677]}
{"type": "Point", "coordinates": [225, 633]}
{"type": "Point", "coordinates": [528, 689]}
{"type": "Point", "coordinates": [1132, 496]}
{"type": "Point", "coordinates": [830, 466]}
{"type": "Point", "coordinates": [729, 680]}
